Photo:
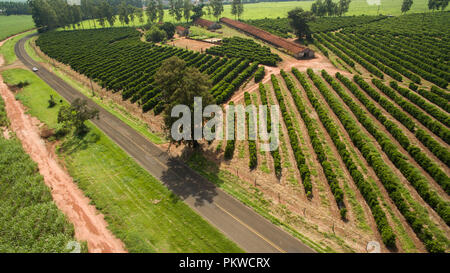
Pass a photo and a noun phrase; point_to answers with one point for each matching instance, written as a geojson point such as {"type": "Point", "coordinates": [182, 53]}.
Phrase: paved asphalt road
{"type": "Point", "coordinates": [241, 224]}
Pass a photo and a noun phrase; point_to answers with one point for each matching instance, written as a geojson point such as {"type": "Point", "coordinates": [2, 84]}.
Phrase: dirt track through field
{"type": "Point", "coordinates": [89, 225]}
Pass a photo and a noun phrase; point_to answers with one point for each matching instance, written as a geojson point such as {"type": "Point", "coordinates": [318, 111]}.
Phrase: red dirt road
{"type": "Point", "coordinates": [89, 225]}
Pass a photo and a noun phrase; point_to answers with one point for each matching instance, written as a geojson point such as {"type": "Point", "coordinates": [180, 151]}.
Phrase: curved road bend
{"type": "Point", "coordinates": [246, 228]}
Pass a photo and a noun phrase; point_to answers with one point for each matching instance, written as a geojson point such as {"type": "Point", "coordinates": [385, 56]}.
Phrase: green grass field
{"type": "Point", "coordinates": [140, 211]}
{"type": "Point", "coordinates": [280, 9]}
{"type": "Point", "coordinates": [13, 24]}
{"type": "Point", "coordinates": [7, 49]}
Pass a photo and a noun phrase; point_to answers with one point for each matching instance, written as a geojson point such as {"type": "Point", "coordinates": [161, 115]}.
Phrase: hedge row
{"type": "Point", "coordinates": [443, 94]}
{"type": "Point", "coordinates": [419, 101]}
{"type": "Point", "coordinates": [411, 173]}
{"type": "Point", "coordinates": [364, 187]}
{"type": "Point", "coordinates": [253, 161]}
{"type": "Point", "coordinates": [293, 138]}
{"type": "Point", "coordinates": [225, 93]}
{"type": "Point", "coordinates": [274, 152]}
{"type": "Point", "coordinates": [371, 56]}
{"type": "Point", "coordinates": [371, 68]}
{"type": "Point", "coordinates": [330, 174]}
{"type": "Point", "coordinates": [387, 177]}
{"type": "Point", "coordinates": [335, 50]}
{"type": "Point", "coordinates": [260, 73]}
{"type": "Point", "coordinates": [420, 157]}
{"type": "Point", "coordinates": [238, 47]}
{"type": "Point", "coordinates": [229, 148]}
{"type": "Point", "coordinates": [321, 48]}
{"type": "Point", "coordinates": [426, 71]}
{"type": "Point", "coordinates": [429, 142]}
{"type": "Point", "coordinates": [441, 102]}
{"type": "Point", "coordinates": [382, 56]}
{"type": "Point", "coordinates": [417, 113]}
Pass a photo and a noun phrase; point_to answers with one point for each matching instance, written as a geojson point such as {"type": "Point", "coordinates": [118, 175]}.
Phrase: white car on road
{"type": "Point", "coordinates": [35, 69]}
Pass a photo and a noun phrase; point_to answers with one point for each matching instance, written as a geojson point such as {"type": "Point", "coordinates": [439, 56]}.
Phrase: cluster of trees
{"type": "Point", "coordinates": [387, 177]}
{"type": "Point", "coordinates": [74, 116]}
{"type": "Point", "coordinates": [367, 191]}
{"type": "Point", "coordinates": [438, 4]}
{"type": "Point", "coordinates": [330, 174]}
{"type": "Point", "coordinates": [160, 32]}
{"type": "Point", "coordinates": [14, 8]}
{"type": "Point", "coordinates": [434, 126]}
{"type": "Point", "coordinates": [237, 8]}
{"type": "Point", "coordinates": [50, 14]}
{"type": "Point", "coordinates": [420, 157]}
{"type": "Point", "coordinates": [305, 173]}
{"type": "Point", "coordinates": [322, 8]}
{"type": "Point", "coordinates": [250, 120]}
{"type": "Point", "coordinates": [274, 152]}
{"type": "Point", "coordinates": [238, 47]}
{"type": "Point", "coordinates": [179, 9]}
{"type": "Point", "coordinates": [299, 21]}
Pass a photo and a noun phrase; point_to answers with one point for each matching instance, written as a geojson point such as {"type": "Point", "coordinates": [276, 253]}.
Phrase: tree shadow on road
{"type": "Point", "coordinates": [186, 182]}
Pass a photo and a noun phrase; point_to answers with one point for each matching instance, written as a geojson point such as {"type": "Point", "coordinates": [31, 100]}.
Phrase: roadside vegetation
{"type": "Point", "coordinates": [139, 209]}
{"type": "Point", "coordinates": [30, 222]}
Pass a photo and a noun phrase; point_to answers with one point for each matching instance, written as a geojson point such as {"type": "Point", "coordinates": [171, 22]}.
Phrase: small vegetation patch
{"type": "Point", "coordinates": [245, 48]}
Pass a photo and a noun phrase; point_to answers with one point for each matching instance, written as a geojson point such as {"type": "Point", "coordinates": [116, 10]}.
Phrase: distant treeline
{"type": "Point", "coordinates": [51, 14]}
{"type": "Point", "coordinates": [14, 8]}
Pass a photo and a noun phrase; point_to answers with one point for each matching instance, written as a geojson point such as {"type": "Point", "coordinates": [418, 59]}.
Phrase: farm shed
{"type": "Point", "coordinates": [210, 25]}
{"type": "Point", "coordinates": [294, 49]}
{"type": "Point", "coordinates": [182, 31]}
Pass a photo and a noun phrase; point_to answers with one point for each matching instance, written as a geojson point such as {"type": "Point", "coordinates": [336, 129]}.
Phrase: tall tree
{"type": "Point", "coordinates": [187, 8]}
{"type": "Point", "coordinates": [180, 84]}
{"type": "Point", "coordinates": [406, 5]}
{"type": "Point", "coordinates": [140, 15]}
{"type": "Point", "coordinates": [179, 4]}
{"type": "Point", "coordinates": [240, 9]}
{"type": "Point", "coordinates": [343, 6]}
{"type": "Point", "coordinates": [217, 8]}
{"type": "Point", "coordinates": [197, 12]}
{"type": "Point", "coordinates": [443, 4]}
{"type": "Point", "coordinates": [299, 19]}
{"type": "Point", "coordinates": [318, 8]}
{"type": "Point", "coordinates": [160, 8]}
{"type": "Point", "coordinates": [151, 11]}
{"type": "Point", "coordinates": [433, 4]}
{"type": "Point", "coordinates": [234, 8]}
{"type": "Point", "coordinates": [131, 13]}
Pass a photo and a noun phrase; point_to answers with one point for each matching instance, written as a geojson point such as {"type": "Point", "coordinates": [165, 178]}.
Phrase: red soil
{"type": "Point", "coordinates": [89, 225]}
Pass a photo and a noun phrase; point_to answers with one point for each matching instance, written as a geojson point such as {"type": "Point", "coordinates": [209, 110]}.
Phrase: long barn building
{"type": "Point", "coordinates": [292, 48]}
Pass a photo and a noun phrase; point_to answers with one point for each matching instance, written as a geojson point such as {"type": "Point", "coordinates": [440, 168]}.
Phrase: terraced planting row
{"type": "Point", "coordinates": [385, 172]}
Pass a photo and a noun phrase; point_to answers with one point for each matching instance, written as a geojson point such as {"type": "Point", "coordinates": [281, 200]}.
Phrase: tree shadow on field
{"type": "Point", "coordinates": [185, 182]}
{"type": "Point", "coordinates": [78, 142]}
